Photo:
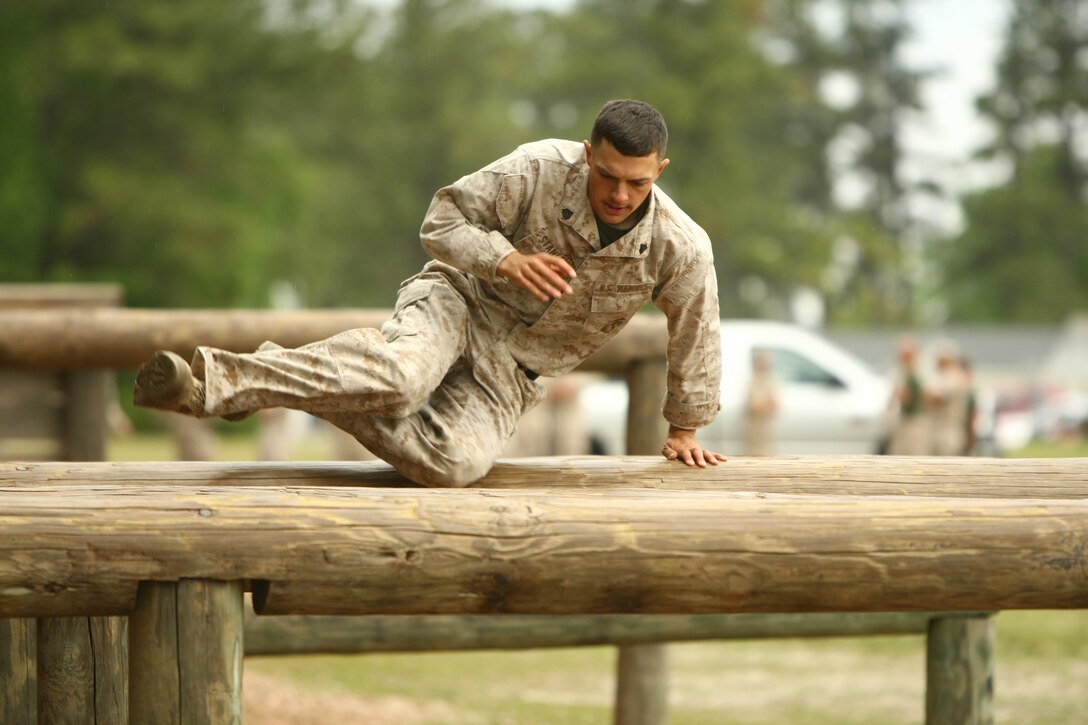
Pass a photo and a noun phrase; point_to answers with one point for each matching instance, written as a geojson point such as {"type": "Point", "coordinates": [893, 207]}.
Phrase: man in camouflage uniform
{"type": "Point", "coordinates": [539, 259]}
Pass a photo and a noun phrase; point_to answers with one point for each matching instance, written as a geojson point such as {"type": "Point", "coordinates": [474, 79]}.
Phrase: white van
{"type": "Point", "coordinates": [829, 402]}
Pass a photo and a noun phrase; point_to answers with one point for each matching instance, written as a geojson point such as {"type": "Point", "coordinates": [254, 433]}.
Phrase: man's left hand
{"type": "Point", "coordinates": [680, 445]}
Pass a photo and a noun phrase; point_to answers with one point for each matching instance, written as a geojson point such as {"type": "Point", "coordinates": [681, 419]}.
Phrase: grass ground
{"type": "Point", "coordinates": [1042, 665]}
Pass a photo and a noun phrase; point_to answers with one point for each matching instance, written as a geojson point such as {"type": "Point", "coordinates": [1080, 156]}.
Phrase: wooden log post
{"type": "Point", "coordinates": [960, 671]}
{"type": "Point", "coordinates": [185, 645]}
{"type": "Point", "coordinates": [86, 430]}
{"type": "Point", "coordinates": [82, 662]}
{"type": "Point", "coordinates": [79, 663]}
{"type": "Point", "coordinates": [642, 685]}
{"type": "Point", "coordinates": [642, 677]}
{"type": "Point", "coordinates": [18, 703]}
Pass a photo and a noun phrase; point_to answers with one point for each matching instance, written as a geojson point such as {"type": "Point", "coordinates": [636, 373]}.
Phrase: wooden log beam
{"type": "Point", "coordinates": [81, 550]}
{"type": "Point", "coordinates": [1050, 478]}
{"type": "Point", "coordinates": [287, 635]}
{"type": "Point", "coordinates": [122, 338]}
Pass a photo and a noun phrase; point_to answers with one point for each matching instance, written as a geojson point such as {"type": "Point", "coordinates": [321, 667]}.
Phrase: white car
{"type": "Point", "coordinates": [829, 402]}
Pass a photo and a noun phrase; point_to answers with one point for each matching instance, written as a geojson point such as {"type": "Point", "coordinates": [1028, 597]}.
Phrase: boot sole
{"type": "Point", "coordinates": [162, 381]}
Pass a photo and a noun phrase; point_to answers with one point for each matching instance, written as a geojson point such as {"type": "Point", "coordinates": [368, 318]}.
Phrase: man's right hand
{"type": "Point", "coordinates": [545, 276]}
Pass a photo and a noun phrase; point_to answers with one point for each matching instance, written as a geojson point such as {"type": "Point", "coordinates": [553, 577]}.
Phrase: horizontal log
{"type": "Point", "coordinates": [288, 635]}
{"type": "Point", "coordinates": [75, 550]}
{"type": "Point", "coordinates": [1061, 478]}
{"type": "Point", "coordinates": [122, 338]}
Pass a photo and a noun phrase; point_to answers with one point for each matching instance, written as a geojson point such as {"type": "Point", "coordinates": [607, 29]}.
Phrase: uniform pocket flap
{"type": "Point", "coordinates": [619, 297]}
{"type": "Point", "coordinates": [414, 292]}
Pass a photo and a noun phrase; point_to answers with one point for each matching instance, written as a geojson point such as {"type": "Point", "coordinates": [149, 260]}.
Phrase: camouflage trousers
{"type": "Point", "coordinates": [435, 392]}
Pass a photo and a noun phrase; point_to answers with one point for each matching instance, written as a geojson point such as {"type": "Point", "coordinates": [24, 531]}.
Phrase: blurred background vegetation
{"type": "Point", "coordinates": [198, 152]}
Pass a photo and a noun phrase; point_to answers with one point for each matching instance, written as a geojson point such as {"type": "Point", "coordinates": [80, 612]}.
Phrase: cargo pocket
{"type": "Point", "coordinates": [403, 322]}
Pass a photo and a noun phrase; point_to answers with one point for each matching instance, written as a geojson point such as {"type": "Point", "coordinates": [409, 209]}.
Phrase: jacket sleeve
{"type": "Point", "coordinates": [689, 299]}
{"type": "Point", "coordinates": [470, 223]}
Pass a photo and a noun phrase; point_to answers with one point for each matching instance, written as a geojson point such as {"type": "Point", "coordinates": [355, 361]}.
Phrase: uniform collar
{"type": "Point", "coordinates": [575, 212]}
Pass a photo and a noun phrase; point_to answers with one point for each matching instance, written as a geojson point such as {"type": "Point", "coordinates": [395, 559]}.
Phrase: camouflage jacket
{"type": "Point", "coordinates": [534, 200]}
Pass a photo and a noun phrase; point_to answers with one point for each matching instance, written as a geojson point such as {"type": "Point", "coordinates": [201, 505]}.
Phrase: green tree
{"type": "Point", "coordinates": [1022, 255]}
{"type": "Point", "coordinates": [738, 161]}
{"type": "Point", "coordinates": [137, 157]}
{"type": "Point", "coordinates": [879, 226]}
{"type": "Point", "coordinates": [425, 103]}
{"type": "Point", "coordinates": [197, 152]}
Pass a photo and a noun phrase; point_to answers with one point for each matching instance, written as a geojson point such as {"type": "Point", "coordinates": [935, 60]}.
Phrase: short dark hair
{"type": "Point", "coordinates": [635, 128]}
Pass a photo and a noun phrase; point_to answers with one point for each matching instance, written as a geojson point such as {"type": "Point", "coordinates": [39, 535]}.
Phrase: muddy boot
{"type": "Point", "coordinates": [165, 382]}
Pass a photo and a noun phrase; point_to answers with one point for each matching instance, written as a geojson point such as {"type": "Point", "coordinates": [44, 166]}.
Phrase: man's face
{"type": "Point", "coordinates": [619, 184]}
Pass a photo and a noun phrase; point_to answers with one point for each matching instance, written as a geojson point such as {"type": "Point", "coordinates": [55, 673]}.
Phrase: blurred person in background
{"type": "Point", "coordinates": [947, 398]}
{"type": "Point", "coordinates": [910, 434]}
{"type": "Point", "coordinates": [760, 407]}
{"type": "Point", "coordinates": [970, 447]}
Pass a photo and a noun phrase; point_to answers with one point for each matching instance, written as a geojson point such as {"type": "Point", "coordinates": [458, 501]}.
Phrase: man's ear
{"type": "Point", "coordinates": [664, 163]}
{"type": "Point", "coordinates": [589, 150]}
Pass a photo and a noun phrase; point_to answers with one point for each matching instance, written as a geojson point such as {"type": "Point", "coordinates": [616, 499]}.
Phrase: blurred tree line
{"type": "Point", "coordinates": [196, 152]}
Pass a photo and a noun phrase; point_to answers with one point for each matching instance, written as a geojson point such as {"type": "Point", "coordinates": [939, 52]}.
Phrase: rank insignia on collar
{"type": "Point", "coordinates": [567, 214]}
{"type": "Point", "coordinates": [642, 249]}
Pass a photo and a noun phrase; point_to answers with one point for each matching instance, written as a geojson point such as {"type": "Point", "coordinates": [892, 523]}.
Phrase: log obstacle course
{"type": "Point", "coordinates": [523, 504]}
{"type": "Point", "coordinates": [104, 538]}
{"type": "Point", "coordinates": [67, 338]}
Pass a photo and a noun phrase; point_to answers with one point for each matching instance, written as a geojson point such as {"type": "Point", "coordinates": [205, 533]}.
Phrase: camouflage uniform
{"type": "Point", "coordinates": [439, 390]}
{"type": "Point", "coordinates": [951, 391]}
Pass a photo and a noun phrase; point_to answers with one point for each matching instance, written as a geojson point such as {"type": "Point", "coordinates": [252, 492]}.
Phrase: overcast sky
{"type": "Point", "coordinates": [961, 40]}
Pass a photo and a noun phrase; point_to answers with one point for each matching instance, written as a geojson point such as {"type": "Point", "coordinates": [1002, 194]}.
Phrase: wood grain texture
{"type": "Point", "coordinates": [185, 642]}
{"type": "Point", "coordinates": [69, 549]}
{"type": "Point", "coordinates": [82, 670]}
{"type": "Point", "coordinates": [109, 636]}
{"type": "Point", "coordinates": [65, 671]}
{"type": "Point", "coordinates": [1011, 478]}
{"type": "Point", "coordinates": [154, 678]}
{"type": "Point", "coordinates": [18, 679]}
{"type": "Point", "coordinates": [122, 338]}
{"type": "Point", "coordinates": [210, 652]}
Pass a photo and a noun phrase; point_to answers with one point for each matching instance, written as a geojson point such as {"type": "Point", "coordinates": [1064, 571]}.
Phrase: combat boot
{"type": "Point", "coordinates": [166, 382]}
